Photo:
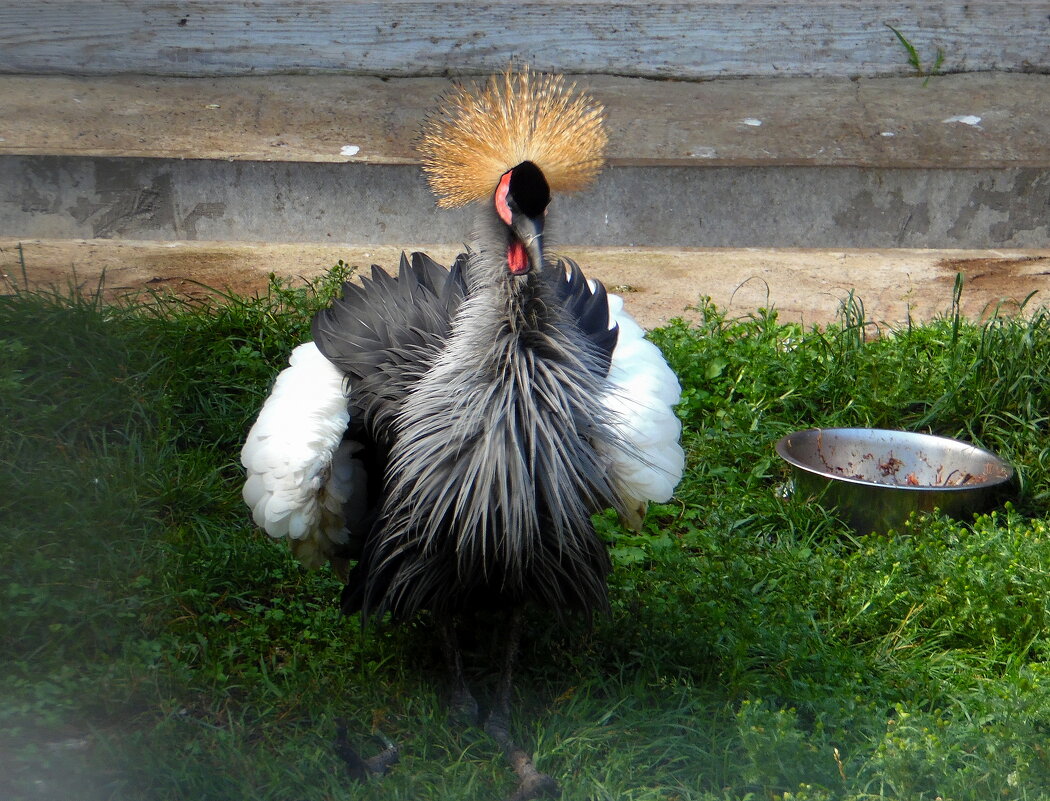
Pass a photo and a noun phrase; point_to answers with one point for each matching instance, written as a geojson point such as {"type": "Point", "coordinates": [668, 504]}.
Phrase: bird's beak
{"type": "Point", "coordinates": [530, 231]}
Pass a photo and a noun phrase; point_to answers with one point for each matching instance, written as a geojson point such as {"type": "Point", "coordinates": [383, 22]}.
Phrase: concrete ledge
{"type": "Point", "coordinates": [371, 204]}
{"type": "Point", "coordinates": [658, 284]}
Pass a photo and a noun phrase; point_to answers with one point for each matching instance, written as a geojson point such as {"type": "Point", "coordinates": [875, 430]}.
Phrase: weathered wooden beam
{"type": "Point", "coordinates": [974, 121]}
{"type": "Point", "coordinates": [663, 39]}
{"type": "Point", "coordinates": [658, 283]}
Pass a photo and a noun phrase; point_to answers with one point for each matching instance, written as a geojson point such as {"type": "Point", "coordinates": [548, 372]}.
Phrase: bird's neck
{"type": "Point", "coordinates": [505, 317]}
{"type": "Point", "coordinates": [500, 302]}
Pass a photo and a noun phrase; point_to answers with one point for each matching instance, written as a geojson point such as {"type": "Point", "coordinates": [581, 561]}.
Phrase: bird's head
{"type": "Point", "coordinates": [512, 142]}
{"type": "Point", "coordinates": [520, 201]}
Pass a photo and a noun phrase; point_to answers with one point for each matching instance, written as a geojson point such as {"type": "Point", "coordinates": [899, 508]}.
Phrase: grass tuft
{"type": "Point", "coordinates": [915, 60]}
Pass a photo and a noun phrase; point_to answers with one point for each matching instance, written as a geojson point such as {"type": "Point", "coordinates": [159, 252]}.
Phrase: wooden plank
{"type": "Point", "coordinates": [877, 122]}
{"type": "Point", "coordinates": [663, 39]}
{"type": "Point", "coordinates": [807, 285]}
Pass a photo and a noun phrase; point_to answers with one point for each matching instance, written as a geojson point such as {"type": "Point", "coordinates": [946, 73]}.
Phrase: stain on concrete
{"type": "Point", "coordinates": [1002, 281]}
{"type": "Point", "coordinates": [41, 188]}
{"type": "Point", "coordinates": [82, 209]}
{"type": "Point", "coordinates": [116, 198]}
{"type": "Point", "coordinates": [133, 196]}
{"type": "Point", "coordinates": [887, 215]}
{"type": "Point", "coordinates": [210, 211]}
{"type": "Point", "coordinates": [1021, 207]}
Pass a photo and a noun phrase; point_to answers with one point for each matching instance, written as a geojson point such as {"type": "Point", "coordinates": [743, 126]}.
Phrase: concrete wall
{"type": "Point", "coordinates": [816, 207]}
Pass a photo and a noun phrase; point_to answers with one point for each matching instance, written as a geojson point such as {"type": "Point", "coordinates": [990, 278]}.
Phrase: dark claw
{"type": "Point", "coordinates": [362, 769]}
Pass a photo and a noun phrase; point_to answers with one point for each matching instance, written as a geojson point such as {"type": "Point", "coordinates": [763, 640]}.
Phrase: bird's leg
{"type": "Point", "coordinates": [531, 783]}
{"type": "Point", "coordinates": [464, 707]}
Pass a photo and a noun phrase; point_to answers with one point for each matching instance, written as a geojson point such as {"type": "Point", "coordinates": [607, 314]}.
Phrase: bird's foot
{"type": "Point", "coordinates": [531, 782]}
{"type": "Point", "coordinates": [359, 768]}
{"type": "Point", "coordinates": [536, 785]}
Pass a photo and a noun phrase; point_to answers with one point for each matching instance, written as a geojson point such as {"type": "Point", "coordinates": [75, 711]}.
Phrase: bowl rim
{"type": "Point", "coordinates": [991, 483]}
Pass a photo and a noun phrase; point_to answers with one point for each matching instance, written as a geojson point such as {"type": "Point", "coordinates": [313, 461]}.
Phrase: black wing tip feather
{"type": "Point", "coordinates": [587, 307]}
{"type": "Point", "coordinates": [386, 319]}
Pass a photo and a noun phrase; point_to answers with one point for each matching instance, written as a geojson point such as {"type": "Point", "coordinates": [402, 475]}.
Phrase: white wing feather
{"type": "Point", "coordinates": [292, 488]}
{"type": "Point", "coordinates": [641, 400]}
{"type": "Point", "coordinates": [301, 472]}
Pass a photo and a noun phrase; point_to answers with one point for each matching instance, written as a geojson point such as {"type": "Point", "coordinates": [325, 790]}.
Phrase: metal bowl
{"type": "Point", "coordinates": [876, 478]}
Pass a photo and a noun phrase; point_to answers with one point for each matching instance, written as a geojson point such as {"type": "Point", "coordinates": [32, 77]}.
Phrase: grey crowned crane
{"type": "Point", "coordinates": [447, 435]}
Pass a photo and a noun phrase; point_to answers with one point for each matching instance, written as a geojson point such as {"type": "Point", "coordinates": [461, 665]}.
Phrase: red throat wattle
{"type": "Point", "coordinates": [517, 258]}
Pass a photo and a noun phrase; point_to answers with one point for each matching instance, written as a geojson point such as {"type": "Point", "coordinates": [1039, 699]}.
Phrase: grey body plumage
{"type": "Point", "coordinates": [488, 435]}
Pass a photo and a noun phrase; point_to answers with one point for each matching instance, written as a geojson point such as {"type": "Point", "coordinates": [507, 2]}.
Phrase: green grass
{"type": "Point", "coordinates": [155, 646]}
{"type": "Point", "coordinates": [915, 60]}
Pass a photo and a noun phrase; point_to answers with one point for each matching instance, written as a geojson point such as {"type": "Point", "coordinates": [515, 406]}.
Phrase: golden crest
{"type": "Point", "coordinates": [478, 133]}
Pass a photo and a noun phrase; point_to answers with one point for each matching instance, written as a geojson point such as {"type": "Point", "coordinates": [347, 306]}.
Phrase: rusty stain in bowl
{"type": "Point", "coordinates": [890, 466]}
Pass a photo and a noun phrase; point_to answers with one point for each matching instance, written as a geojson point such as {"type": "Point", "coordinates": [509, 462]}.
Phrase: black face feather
{"type": "Point", "coordinates": [529, 191]}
